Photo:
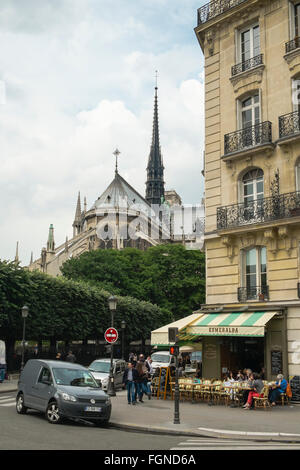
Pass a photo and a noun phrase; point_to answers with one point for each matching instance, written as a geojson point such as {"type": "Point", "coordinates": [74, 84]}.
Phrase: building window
{"type": "Point", "coordinates": [255, 274]}
{"type": "Point", "coordinates": [297, 19]}
{"type": "Point", "coordinates": [297, 174]}
{"type": "Point", "coordinates": [249, 43]}
{"type": "Point", "coordinates": [250, 111]}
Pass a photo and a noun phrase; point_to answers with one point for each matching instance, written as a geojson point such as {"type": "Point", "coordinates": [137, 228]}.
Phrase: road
{"type": "Point", "coordinates": [33, 432]}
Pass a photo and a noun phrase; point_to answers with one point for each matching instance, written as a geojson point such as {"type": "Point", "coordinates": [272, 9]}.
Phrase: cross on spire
{"type": "Point", "coordinates": [116, 153]}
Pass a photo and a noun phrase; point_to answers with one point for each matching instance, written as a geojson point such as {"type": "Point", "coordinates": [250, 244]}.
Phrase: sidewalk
{"type": "Point", "coordinates": [199, 419]}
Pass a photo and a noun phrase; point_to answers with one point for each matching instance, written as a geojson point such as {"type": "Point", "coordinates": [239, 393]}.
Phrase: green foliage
{"type": "Point", "coordinates": [169, 276]}
{"type": "Point", "coordinates": [67, 309]}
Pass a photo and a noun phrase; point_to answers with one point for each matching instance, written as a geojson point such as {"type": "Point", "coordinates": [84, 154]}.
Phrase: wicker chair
{"type": "Point", "coordinates": [264, 400]}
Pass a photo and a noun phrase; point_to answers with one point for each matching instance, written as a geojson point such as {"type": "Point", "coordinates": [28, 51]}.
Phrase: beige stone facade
{"type": "Point", "coordinates": [252, 156]}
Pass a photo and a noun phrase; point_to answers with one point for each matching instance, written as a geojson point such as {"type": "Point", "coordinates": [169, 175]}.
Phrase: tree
{"type": "Point", "coordinates": [167, 275]}
{"type": "Point", "coordinates": [64, 309]}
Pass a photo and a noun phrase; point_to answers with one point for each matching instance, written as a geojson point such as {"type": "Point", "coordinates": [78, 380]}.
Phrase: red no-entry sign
{"type": "Point", "coordinates": [111, 335]}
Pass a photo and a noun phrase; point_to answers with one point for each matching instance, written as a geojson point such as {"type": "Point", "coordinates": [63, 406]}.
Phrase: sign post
{"type": "Point", "coordinates": [174, 350]}
{"type": "Point", "coordinates": [111, 336]}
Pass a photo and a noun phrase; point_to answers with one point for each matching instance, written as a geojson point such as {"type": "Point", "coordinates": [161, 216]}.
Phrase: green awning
{"type": "Point", "coordinates": [231, 324]}
{"type": "Point", "coordinates": [160, 336]}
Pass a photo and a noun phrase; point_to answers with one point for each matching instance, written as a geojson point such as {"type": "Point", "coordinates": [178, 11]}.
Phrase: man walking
{"type": "Point", "coordinates": [129, 379]}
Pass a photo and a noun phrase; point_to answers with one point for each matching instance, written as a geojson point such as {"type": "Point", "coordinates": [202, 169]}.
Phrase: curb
{"type": "Point", "coordinates": [208, 432]}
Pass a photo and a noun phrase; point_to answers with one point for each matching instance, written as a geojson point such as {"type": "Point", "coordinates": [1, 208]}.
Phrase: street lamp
{"type": "Point", "coordinates": [112, 303]}
{"type": "Point", "coordinates": [25, 312]}
{"type": "Point", "coordinates": [123, 326]}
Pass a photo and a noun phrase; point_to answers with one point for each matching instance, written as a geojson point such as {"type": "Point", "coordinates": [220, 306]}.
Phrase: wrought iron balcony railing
{"type": "Point", "coordinates": [247, 65]}
{"type": "Point", "coordinates": [259, 211]}
{"type": "Point", "coordinates": [215, 8]}
{"type": "Point", "coordinates": [289, 124]}
{"type": "Point", "coordinates": [292, 45]}
{"type": "Point", "coordinates": [248, 137]}
{"type": "Point", "coordinates": [253, 293]}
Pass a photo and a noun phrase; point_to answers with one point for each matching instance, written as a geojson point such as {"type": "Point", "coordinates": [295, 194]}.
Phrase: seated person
{"type": "Point", "coordinates": [257, 386]}
{"type": "Point", "coordinates": [240, 376]}
{"type": "Point", "coordinates": [277, 389]}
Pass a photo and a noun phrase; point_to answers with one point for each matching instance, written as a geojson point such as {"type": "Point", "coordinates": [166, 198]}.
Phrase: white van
{"type": "Point", "coordinates": [162, 359]}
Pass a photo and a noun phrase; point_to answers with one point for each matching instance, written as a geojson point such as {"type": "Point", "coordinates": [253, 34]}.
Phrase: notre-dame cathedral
{"type": "Point", "coordinates": [122, 218]}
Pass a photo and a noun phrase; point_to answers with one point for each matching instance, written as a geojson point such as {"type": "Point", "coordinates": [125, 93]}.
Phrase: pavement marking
{"type": "Point", "coordinates": [7, 400]}
{"type": "Point", "coordinates": [224, 444]}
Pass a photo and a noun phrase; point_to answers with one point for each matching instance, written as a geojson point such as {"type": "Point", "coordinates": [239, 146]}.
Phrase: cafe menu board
{"type": "Point", "coordinates": [276, 362]}
{"type": "Point", "coordinates": [295, 386]}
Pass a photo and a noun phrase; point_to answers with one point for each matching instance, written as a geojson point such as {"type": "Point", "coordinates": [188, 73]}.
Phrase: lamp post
{"type": "Point", "coordinates": [112, 303]}
{"type": "Point", "coordinates": [123, 326]}
{"type": "Point", "coordinates": [25, 312]}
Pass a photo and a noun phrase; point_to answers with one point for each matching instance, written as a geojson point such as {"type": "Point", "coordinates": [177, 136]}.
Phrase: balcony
{"type": "Point", "coordinates": [215, 8]}
{"type": "Point", "coordinates": [248, 138]}
{"type": "Point", "coordinates": [289, 125]}
{"type": "Point", "coordinates": [292, 45]}
{"type": "Point", "coordinates": [260, 293]}
{"type": "Point", "coordinates": [259, 211]}
{"type": "Point", "coordinates": [247, 65]}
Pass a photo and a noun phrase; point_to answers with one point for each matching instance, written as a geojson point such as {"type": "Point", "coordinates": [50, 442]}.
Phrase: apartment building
{"type": "Point", "coordinates": [252, 186]}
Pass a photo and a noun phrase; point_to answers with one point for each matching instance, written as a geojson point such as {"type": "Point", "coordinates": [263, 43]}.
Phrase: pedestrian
{"type": "Point", "coordinates": [148, 364]}
{"type": "Point", "coordinates": [129, 380]}
{"type": "Point", "coordinates": [142, 381]}
{"type": "Point", "coordinates": [134, 360]}
{"type": "Point", "coordinates": [70, 357]}
{"type": "Point", "coordinates": [58, 356]}
{"type": "Point", "coordinates": [2, 361]}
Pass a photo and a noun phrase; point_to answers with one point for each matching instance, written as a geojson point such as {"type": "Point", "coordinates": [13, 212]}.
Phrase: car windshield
{"type": "Point", "coordinates": [160, 358]}
{"type": "Point", "coordinates": [100, 366]}
{"type": "Point", "coordinates": [74, 377]}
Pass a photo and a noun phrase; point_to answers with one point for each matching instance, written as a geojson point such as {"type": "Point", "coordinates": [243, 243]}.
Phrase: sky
{"type": "Point", "coordinates": [77, 81]}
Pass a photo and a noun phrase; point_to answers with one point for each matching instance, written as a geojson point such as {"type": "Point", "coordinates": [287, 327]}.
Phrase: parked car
{"type": "Point", "coordinates": [62, 390]}
{"type": "Point", "coordinates": [162, 359]}
{"type": "Point", "coordinates": [100, 369]}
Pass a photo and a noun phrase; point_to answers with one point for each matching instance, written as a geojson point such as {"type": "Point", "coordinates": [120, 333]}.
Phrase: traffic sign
{"type": "Point", "coordinates": [111, 335]}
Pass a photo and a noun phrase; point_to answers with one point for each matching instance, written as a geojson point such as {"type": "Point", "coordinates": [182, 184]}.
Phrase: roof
{"type": "Point", "coordinates": [60, 364]}
{"type": "Point", "coordinates": [120, 194]}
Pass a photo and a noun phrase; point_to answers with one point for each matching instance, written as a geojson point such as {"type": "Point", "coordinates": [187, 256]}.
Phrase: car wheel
{"type": "Point", "coordinates": [53, 414]}
{"type": "Point", "coordinates": [20, 407]}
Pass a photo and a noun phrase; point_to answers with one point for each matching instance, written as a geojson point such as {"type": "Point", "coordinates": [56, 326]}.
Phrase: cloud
{"type": "Point", "coordinates": [81, 84]}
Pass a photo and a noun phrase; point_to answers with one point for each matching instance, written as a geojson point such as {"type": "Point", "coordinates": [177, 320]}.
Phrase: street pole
{"type": "Point", "coordinates": [176, 398]}
{"type": "Point", "coordinates": [123, 326]}
{"type": "Point", "coordinates": [25, 311]}
{"type": "Point", "coordinates": [111, 385]}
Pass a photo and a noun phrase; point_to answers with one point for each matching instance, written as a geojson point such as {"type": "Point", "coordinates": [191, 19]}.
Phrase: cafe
{"type": "Point", "coordinates": [232, 340]}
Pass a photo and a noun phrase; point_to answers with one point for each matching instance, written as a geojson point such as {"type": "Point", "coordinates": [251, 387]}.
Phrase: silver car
{"type": "Point", "coordinates": [100, 369]}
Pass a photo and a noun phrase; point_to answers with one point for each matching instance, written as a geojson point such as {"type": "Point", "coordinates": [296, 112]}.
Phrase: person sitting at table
{"type": "Point", "coordinates": [198, 374]}
{"type": "Point", "coordinates": [230, 376]}
{"type": "Point", "coordinates": [257, 386]}
{"type": "Point", "coordinates": [249, 379]}
{"type": "Point", "coordinates": [278, 388]}
{"type": "Point", "coordinates": [240, 376]}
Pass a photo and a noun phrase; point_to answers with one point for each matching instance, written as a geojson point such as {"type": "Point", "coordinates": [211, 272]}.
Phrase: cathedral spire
{"type": "Point", "coordinates": [50, 242]}
{"type": "Point", "coordinates": [155, 170]}
{"type": "Point", "coordinates": [77, 219]}
{"type": "Point", "coordinates": [17, 253]}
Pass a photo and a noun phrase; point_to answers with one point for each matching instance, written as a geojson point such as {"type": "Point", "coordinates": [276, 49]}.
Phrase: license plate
{"type": "Point", "coordinates": [93, 408]}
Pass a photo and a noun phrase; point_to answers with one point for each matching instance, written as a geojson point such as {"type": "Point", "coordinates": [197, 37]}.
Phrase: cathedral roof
{"type": "Point", "coordinates": [119, 194]}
